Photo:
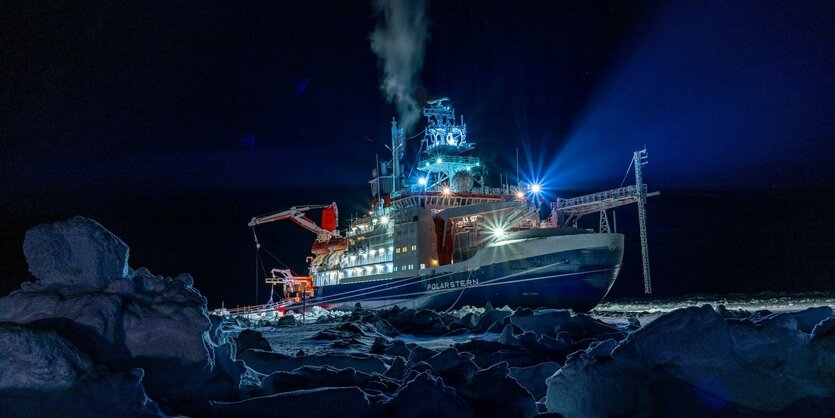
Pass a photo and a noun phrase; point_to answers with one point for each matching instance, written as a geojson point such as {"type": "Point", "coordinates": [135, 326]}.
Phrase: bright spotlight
{"type": "Point", "coordinates": [422, 181]}
{"type": "Point", "coordinates": [520, 195]}
{"type": "Point", "coordinates": [499, 232]}
{"type": "Point", "coordinates": [439, 160]}
{"type": "Point", "coordinates": [384, 219]}
{"type": "Point", "coordinates": [536, 188]}
{"type": "Point", "coordinates": [446, 191]}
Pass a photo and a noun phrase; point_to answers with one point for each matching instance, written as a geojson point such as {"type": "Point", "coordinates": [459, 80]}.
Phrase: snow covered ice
{"type": "Point", "coordinates": [696, 358]}
{"type": "Point", "coordinates": [122, 319]}
{"type": "Point", "coordinates": [93, 337]}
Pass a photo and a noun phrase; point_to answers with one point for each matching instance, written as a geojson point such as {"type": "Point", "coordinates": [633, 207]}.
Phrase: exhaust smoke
{"type": "Point", "coordinates": [398, 41]}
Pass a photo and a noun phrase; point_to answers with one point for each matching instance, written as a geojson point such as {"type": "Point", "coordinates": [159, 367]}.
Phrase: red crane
{"type": "Point", "coordinates": [330, 220]}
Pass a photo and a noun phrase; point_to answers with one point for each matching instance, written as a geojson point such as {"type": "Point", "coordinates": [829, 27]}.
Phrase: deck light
{"type": "Point", "coordinates": [499, 232]}
{"type": "Point", "coordinates": [536, 188]}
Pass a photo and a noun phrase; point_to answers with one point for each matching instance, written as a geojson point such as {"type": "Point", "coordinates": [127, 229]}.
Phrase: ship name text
{"type": "Point", "coordinates": [451, 284]}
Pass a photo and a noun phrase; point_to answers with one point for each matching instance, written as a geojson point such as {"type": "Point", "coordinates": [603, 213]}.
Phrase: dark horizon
{"type": "Point", "coordinates": [700, 241]}
{"type": "Point", "coordinates": [172, 126]}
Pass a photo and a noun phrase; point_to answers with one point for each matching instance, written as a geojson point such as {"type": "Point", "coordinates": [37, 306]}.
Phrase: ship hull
{"type": "Point", "coordinates": [573, 272]}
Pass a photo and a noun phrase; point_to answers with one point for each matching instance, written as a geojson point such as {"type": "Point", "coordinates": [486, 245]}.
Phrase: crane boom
{"type": "Point", "coordinates": [572, 209]}
{"type": "Point", "coordinates": [297, 215]}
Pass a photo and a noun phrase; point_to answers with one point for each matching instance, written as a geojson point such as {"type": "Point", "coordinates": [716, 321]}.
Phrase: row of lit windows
{"type": "Point", "coordinates": [367, 270]}
{"type": "Point", "coordinates": [406, 267]}
{"type": "Point", "coordinates": [372, 253]}
{"type": "Point", "coordinates": [404, 249]}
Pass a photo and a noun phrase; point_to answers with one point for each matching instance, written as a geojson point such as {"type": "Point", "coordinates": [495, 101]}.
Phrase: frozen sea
{"type": "Point", "coordinates": [616, 312]}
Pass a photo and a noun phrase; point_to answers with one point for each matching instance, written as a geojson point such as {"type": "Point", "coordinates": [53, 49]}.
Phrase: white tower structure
{"type": "Point", "coordinates": [444, 142]}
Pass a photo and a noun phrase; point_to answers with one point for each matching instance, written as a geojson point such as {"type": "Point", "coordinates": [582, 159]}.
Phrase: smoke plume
{"type": "Point", "coordinates": [398, 41]}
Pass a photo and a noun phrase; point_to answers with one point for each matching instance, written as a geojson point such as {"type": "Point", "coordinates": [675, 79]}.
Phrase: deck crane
{"type": "Point", "coordinates": [297, 214]}
{"type": "Point", "coordinates": [324, 236]}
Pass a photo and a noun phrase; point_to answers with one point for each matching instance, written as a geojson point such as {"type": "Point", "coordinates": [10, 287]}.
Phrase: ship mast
{"type": "Point", "coordinates": [397, 150]}
{"type": "Point", "coordinates": [638, 160]}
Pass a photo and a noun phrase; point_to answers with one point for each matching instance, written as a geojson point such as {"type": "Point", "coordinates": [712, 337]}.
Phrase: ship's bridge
{"type": "Point", "coordinates": [442, 134]}
{"type": "Point", "coordinates": [444, 142]}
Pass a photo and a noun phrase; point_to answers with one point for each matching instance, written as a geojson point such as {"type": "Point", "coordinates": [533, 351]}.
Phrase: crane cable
{"type": "Point", "coordinates": [417, 159]}
{"type": "Point", "coordinates": [632, 161]}
{"type": "Point", "coordinates": [277, 259]}
{"type": "Point", "coordinates": [258, 246]}
{"type": "Point", "coordinates": [460, 294]}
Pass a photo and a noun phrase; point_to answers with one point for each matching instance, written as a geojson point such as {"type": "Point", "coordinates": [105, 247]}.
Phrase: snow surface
{"type": "Point", "coordinates": [75, 255]}
{"type": "Point", "coordinates": [727, 365]}
{"type": "Point", "coordinates": [42, 374]}
{"type": "Point", "coordinates": [38, 360]}
{"type": "Point", "coordinates": [120, 318]}
{"type": "Point", "coordinates": [92, 337]}
{"type": "Point", "coordinates": [646, 310]}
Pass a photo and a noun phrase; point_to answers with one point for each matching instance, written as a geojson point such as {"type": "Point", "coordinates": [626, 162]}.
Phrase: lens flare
{"type": "Point", "coordinates": [499, 232]}
{"type": "Point", "coordinates": [536, 188]}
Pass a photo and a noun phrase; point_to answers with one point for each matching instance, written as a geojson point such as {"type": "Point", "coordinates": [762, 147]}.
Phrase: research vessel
{"type": "Point", "coordinates": [437, 236]}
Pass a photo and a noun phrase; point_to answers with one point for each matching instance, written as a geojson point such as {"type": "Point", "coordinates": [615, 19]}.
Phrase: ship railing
{"type": "Point", "coordinates": [529, 224]}
{"type": "Point", "coordinates": [430, 163]}
{"type": "Point", "coordinates": [442, 144]}
{"type": "Point", "coordinates": [248, 309]}
{"type": "Point", "coordinates": [367, 225]}
{"type": "Point", "coordinates": [596, 202]}
{"type": "Point", "coordinates": [494, 191]}
{"type": "Point", "coordinates": [367, 260]}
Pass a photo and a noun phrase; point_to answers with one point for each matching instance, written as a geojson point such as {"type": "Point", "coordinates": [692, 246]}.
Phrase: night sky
{"type": "Point", "coordinates": [174, 123]}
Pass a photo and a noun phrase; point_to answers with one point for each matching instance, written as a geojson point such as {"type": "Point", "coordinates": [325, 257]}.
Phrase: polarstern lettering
{"type": "Point", "coordinates": [451, 284]}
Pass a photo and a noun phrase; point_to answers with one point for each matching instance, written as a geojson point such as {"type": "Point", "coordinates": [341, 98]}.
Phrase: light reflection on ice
{"type": "Point", "coordinates": [618, 311]}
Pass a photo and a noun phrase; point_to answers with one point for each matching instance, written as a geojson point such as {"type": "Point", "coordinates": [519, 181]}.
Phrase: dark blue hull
{"type": "Point", "coordinates": [576, 279]}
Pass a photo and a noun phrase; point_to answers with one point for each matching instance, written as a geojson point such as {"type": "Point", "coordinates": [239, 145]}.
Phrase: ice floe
{"type": "Point", "coordinates": [93, 337]}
